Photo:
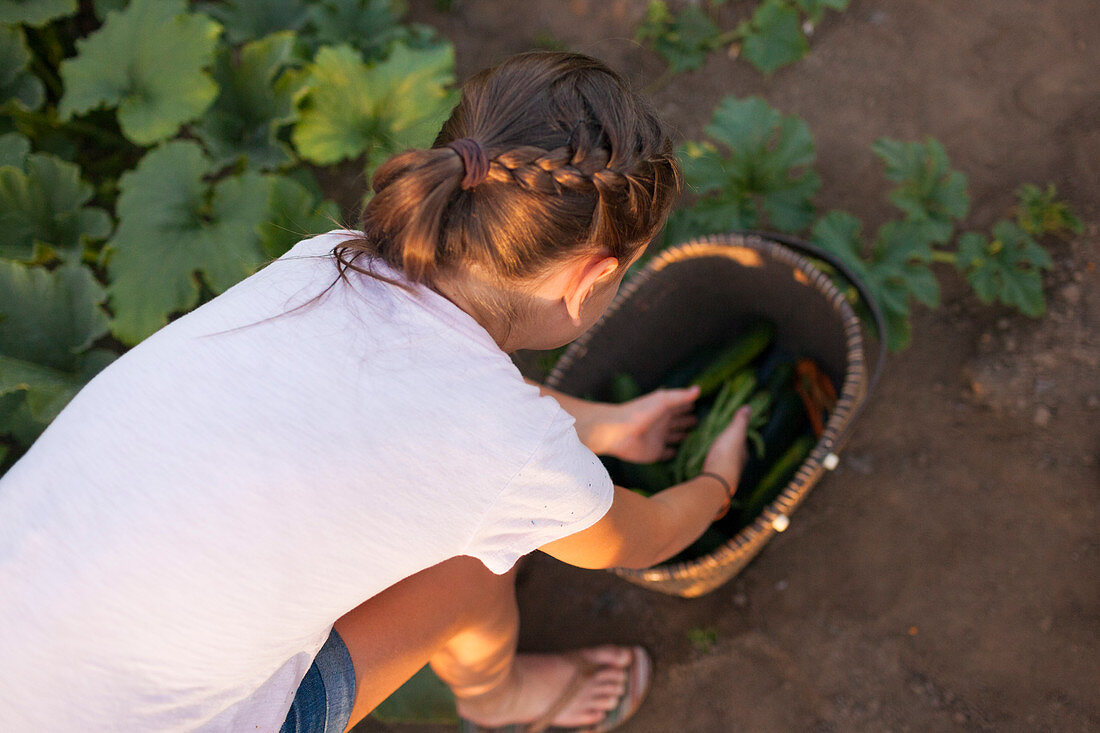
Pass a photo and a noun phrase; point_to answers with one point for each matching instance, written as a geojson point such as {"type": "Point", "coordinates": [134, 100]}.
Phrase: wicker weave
{"type": "Point", "coordinates": [695, 294]}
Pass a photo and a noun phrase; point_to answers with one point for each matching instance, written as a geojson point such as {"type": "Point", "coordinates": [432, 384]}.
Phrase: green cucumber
{"type": "Point", "coordinates": [693, 451]}
{"type": "Point", "coordinates": [777, 477]}
{"type": "Point", "coordinates": [749, 344]}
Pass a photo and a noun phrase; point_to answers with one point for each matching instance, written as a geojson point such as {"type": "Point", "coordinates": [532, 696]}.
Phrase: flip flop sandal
{"type": "Point", "coordinates": [638, 674]}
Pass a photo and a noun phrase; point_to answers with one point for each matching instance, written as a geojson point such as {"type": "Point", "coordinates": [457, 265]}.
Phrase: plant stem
{"type": "Point", "coordinates": [947, 258]}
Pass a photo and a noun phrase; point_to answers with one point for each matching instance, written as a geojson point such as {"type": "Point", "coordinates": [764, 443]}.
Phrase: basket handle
{"type": "Point", "coordinates": [812, 250]}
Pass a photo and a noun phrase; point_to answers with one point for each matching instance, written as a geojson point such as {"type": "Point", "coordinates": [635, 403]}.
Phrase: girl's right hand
{"type": "Point", "coordinates": [729, 451]}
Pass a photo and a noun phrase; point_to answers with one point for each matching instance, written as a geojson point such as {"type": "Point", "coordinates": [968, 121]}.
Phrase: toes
{"type": "Point", "coordinates": [609, 656]}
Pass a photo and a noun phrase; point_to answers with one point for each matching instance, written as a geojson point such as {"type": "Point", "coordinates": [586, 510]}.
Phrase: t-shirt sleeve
{"type": "Point", "coordinates": [562, 489]}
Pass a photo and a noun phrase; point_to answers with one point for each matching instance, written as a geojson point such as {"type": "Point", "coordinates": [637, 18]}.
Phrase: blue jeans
{"type": "Point", "coordinates": [324, 699]}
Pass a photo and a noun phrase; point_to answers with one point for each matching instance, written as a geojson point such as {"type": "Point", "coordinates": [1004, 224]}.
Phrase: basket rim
{"type": "Point", "coordinates": [850, 396]}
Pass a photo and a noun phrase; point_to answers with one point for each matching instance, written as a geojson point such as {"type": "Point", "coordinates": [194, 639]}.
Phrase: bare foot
{"type": "Point", "coordinates": [538, 681]}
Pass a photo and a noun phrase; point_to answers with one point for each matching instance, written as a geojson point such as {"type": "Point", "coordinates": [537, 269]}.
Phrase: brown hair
{"type": "Point", "coordinates": [571, 162]}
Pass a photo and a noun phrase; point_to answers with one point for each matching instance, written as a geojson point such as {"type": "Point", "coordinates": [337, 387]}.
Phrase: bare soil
{"type": "Point", "coordinates": [947, 575]}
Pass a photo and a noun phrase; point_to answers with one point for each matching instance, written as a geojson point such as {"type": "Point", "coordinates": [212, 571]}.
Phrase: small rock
{"type": "Point", "coordinates": [985, 341]}
{"type": "Point", "coordinates": [877, 17]}
{"type": "Point", "coordinates": [740, 600]}
{"type": "Point", "coordinates": [1072, 293]}
{"type": "Point", "coordinates": [1046, 624]}
{"type": "Point", "coordinates": [781, 585]}
{"type": "Point", "coordinates": [1093, 401]}
{"type": "Point", "coordinates": [959, 718]}
{"type": "Point", "coordinates": [1010, 344]}
{"type": "Point", "coordinates": [1003, 324]}
{"type": "Point", "coordinates": [1042, 416]}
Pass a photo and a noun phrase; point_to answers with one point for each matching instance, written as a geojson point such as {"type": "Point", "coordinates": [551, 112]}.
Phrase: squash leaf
{"type": "Point", "coordinates": [350, 107]}
{"type": "Point", "coordinates": [295, 214]}
{"type": "Point", "coordinates": [1007, 268]}
{"type": "Point", "coordinates": [17, 84]}
{"type": "Point", "coordinates": [896, 270]}
{"type": "Point", "coordinates": [43, 204]}
{"type": "Point", "coordinates": [149, 61]}
{"type": "Point", "coordinates": [1039, 212]}
{"type": "Point", "coordinates": [255, 99]}
{"type": "Point", "coordinates": [372, 27]}
{"type": "Point", "coordinates": [35, 12]}
{"type": "Point", "coordinates": [684, 40]}
{"type": "Point", "coordinates": [247, 20]}
{"type": "Point", "coordinates": [773, 36]}
{"type": "Point", "coordinates": [764, 177]}
{"type": "Point", "coordinates": [14, 149]}
{"type": "Point", "coordinates": [174, 226]}
{"type": "Point", "coordinates": [48, 323]}
{"type": "Point", "coordinates": [930, 191]}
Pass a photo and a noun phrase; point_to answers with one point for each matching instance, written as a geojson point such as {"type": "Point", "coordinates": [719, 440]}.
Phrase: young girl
{"type": "Point", "coordinates": [276, 509]}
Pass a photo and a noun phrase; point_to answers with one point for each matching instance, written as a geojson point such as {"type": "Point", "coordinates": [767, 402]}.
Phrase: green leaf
{"type": "Point", "coordinates": [43, 202]}
{"type": "Point", "coordinates": [683, 41]}
{"type": "Point", "coordinates": [1039, 212]}
{"type": "Point", "coordinates": [930, 191]}
{"type": "Point", "coordinates": [255, 100]}
{"type": "Point", "coordinates": [17, 85]}
{"type": "Point", "coordinates": [103, 7]}
{"type": "Point", "coordinates": [764, 176]}
{"type": "Point", "coordinates": [173, 226]}
{"type": "Point", "coordinates": [896, 271]}
{"type": "Point", "coordinates": [247, 20]}
{"type": "Point", "coordinates": [350, 107]}
{"type": "Point", "coordinates": [35, 12]}
{"type": "Point", "coordinates": [295, 214]}
{"type": "Point", "coordinates": [14, 149]}
{"type": "Point", "coordinates": [372, 27]}
{"type": "Point", "coordinates": [774, 37]}
{"type": "Point", "coordinates": [48, 322]}
{"type": "Point", "coordinates": [903, 251]}
{"type": "Point", "coordinates": [149, 61]}
{"type": "Point", "coordinates": [1007, 268]}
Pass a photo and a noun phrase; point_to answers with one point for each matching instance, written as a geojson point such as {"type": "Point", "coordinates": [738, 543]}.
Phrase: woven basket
{"type": "Point", "coordinates": [692, 295]}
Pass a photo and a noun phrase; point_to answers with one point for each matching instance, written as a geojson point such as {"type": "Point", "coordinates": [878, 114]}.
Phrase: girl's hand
{"type": "Point", "coordinates": [729, 451]}
{"type": "Point", "coordinates": [648, 428]}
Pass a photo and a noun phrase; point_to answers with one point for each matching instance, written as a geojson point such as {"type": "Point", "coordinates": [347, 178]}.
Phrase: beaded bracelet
{"type": "Point", "coordinates": [729, 493]}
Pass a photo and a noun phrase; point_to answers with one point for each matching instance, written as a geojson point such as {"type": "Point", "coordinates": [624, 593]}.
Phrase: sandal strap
{"type": "Point", "coordinates": [584, 671]}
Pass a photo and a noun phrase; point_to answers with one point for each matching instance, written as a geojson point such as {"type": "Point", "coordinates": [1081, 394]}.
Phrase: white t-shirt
{"type": "Point", "coordinates": [176, 546]}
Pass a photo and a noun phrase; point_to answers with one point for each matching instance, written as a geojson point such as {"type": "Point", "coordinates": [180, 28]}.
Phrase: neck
{"type": "Point", "coordinates": [515, 319]}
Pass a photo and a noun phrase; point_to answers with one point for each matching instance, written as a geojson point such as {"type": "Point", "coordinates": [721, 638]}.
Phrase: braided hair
{"type": "Point", "coordinates": [545, 157]}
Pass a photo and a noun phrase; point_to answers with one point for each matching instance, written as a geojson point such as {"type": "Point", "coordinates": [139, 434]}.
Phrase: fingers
{"type": "Point", "coordinates": [681, 423]}
{"type": "Point", "coordinates": [740, 422]}
{"type": "Point", "coordinates": [681, 399]}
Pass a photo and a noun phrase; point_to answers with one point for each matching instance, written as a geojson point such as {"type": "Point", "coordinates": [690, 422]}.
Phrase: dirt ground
{"type": "Point", "coordinates": [947, 575]}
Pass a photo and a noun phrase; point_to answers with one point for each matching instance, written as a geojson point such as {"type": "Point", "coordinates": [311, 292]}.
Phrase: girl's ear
{"type": "Point", "coordinates": [590, 273]}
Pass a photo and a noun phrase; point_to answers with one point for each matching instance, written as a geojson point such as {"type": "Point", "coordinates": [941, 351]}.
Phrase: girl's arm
{"type": "Point", "coordinates": [641, 430]}
{"type": "Point", "coordinates": [639, 532]}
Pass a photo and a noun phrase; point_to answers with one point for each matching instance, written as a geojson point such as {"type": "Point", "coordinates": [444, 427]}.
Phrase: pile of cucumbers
{"type": "Point", "coordinates": [752, 370]}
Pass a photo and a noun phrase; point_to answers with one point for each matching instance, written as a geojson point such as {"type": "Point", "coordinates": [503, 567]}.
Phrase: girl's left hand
{"type": "Point", "coordinates": [649, 428]}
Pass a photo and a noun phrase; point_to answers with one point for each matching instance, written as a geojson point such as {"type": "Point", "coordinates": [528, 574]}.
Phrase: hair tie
{"type": "Point", "coordinates": [474, 160]}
